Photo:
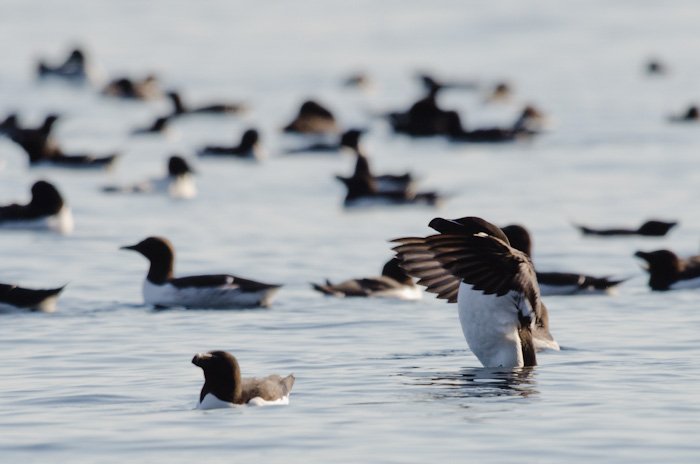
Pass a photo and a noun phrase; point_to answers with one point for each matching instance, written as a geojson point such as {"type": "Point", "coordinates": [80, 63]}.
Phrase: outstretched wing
{"type": "Point", "coordinates": [488, 263]}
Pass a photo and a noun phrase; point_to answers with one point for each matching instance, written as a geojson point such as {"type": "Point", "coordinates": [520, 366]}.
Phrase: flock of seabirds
{"type": "Point", "coordinates": [486, 269]}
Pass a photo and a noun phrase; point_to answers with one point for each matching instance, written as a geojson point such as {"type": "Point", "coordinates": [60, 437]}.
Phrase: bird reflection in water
{"type": "Point", "coordinates": [477, 382]}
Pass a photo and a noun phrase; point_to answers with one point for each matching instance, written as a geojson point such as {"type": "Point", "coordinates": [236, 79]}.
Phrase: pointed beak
{"type": "Point", "coordinates": [129, 247]}
{"type": "Point", "coordinates": [643, 255]}
{"type": "Point", "coordinates": [199, 359]}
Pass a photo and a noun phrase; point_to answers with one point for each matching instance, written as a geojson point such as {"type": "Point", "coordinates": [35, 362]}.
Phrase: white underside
{"type": "Point", "coordinates": [406, 292]}
{"type": "Point", "coordinates": [685, 284]}
{"type": "Point", "coordinates": [61, 222]}
{"type": "Point", "coordinates": [48, 305]}
{"type": "Point", "coordinates": [490, 326]}
{"type": "Point", "coordinates": [210, 401]}
{"type": "Point", "coordinates": [179, 187]}
{"type": "Point", "coordinates": [222, 297]}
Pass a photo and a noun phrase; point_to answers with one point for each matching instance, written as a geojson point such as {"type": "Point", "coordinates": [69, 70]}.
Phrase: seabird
{"type": "Point", "coordinates": [669, 272]}
{"type": "Point", "coordinates": [73, 69]}
{"type": "Point", "coordinates": [349, 139]}
{"type": "Point", "coordinates": [424, 118]}
{"type": "Point", "coordinates": [429, 82]}
{"type": "Point", "coordinates": [393, 283]}
{"type": "Point", "coordinates": [160, 125]}
{"type": "Point", "coordinates": [692, 114]}
{"type": "Point", "coordinates": [385, 183]}
{"type": "Point", "coordinates": [42, 148]}
{"type": "Point", "coordinates": [313, 118]}
{"type": "Point", "coordinates": [45, 211]}
{"type": "Point", "coordinates": [364, 189]}
{"type": "Point", "coordinates": [134, 89]}
{"type": "Point", "coordinates": [651, 228]}
{"type": "Point", "coordinates": [178, 183]}
{"type": "Point", "coordinates": [558, 283]}
{"type": "Point", "coordinates": [179, 108]}
{"type": "Point", "coordinates": [224, 387]}
{"type": "Point", "coordinates": [527, 124]}
{"type": "Point", "coordinates": [470, 262]}
{"type": "Point", "coordinates": [249, 147]}
{"type": "Point", "coordinates": [13, 297]}
{"type": "Point", "coordinates": [221, 291]}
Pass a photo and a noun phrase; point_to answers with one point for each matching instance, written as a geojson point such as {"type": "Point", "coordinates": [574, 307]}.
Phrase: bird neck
{"type": "Point", "coordinates": [161, 270]}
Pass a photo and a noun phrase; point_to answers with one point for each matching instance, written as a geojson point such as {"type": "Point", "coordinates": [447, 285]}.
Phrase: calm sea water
{"type": "Point", "coordinates": [106, 379]}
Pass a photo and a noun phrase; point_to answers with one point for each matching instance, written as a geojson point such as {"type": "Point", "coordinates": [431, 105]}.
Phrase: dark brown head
{"type": "Point", "coordinates": [519, 238]}
{"type": "Point", "coordinates": [45, 198]}
{"type": "Point", "coordinates": [351, 139]}
{"type": "Point", "coordinates": [656, 228]}
{"type": "Point", "coordinates": [159, 251]}
{"type": "Point", "coordinates": [177, 166]}
{"type": "Point", "coordinates": [49, 121]}
{"type": "Point", "coordinates": [77, 56]}
{"type": "Point", "coordinates": [313, 108]}
{"type": "Point", "coordinates": [174, 97]}
{"type": "Point", "coordinates": [663, 267]}
{"type": "Point", "coordinates": [222, 376]}
{"type": "Point", "coordinates": [249, 138]}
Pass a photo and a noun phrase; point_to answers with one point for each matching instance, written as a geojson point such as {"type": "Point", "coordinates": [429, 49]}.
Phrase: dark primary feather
{"type": "Point", "coordinates": [25, 297]}
{"type": "Point", "coordinates": [471, 252]}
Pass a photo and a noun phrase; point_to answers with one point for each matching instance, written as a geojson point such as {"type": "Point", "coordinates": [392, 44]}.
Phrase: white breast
{"type": "Point", "coordinates": [210, 401]}
{"type": "Point", "coordinates": [222, 297]}
{"type": "Point", "coordinates": [406, 292]}
{"type": "Point", "coordinates": [61, 222]}
{"type": "Point", "coordinates": [182, 187]}
{"type": "Point", "coordinates": [490, 325]}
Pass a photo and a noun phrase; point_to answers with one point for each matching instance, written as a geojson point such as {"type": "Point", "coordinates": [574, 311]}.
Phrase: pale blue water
{"type": "Point", "coordinates": [106, 379]}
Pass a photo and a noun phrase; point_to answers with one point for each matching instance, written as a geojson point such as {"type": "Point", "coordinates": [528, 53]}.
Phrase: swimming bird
{"type": "Point", "coordinates": [74, 68]}
{"type": "Point", "coordinates": [178, 183]}
{"type": "Point", "coordinates": [221, 291]}
{"type": "Point", "coordinates": [312, 118]}
{"type": "Point", "coordinates": [349, 139]}
{"type": "Point", "coordinates": [13, 297]}
{"type": "Point", "coordinates": [393, 283]}
{"type": "Point", "coordinates": [527, 124]}
{"type": "Point", "coordinates": [160, 125]}
{"type": "Point", "coordinates": [45, 211]}
{"type": "Point", "coordinates": [502, 91]}
{"type": "Point", "coordinates": [9, 124]}
{"type": "Point", "coordinates": [223, 386]}
{"type": "Point", "coordinates": [42, 148]}
{"type": "Point", "coordinates": [359, 80]}
{"type": "Point", "coordinates": [692, 114]}
{"type": "Point", "coordinates": [655, 67]}
{"type": "Point", "coordinates": [652, 228]}
{"type": "Point", "coordinates": [249, 147]}
{"type": "Point", "coordinates": [134, 89]}
{"type": "Point", "coordinates": [470, 262]}
{"type": "Point", "coordinates": [429, 81]}
{"type": "Point", "coordinates": [179, 108]}
{"type": "Point", "coordinates": [425, 117]}
{"type": "Point", "coordinates": [669, 272]}
{"type": "Point", "coordinates": [364, 189]}
{"type": "Point", "coordinates": [558, 283]}
{"type": "Point", "coordinates": [385, 183]}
